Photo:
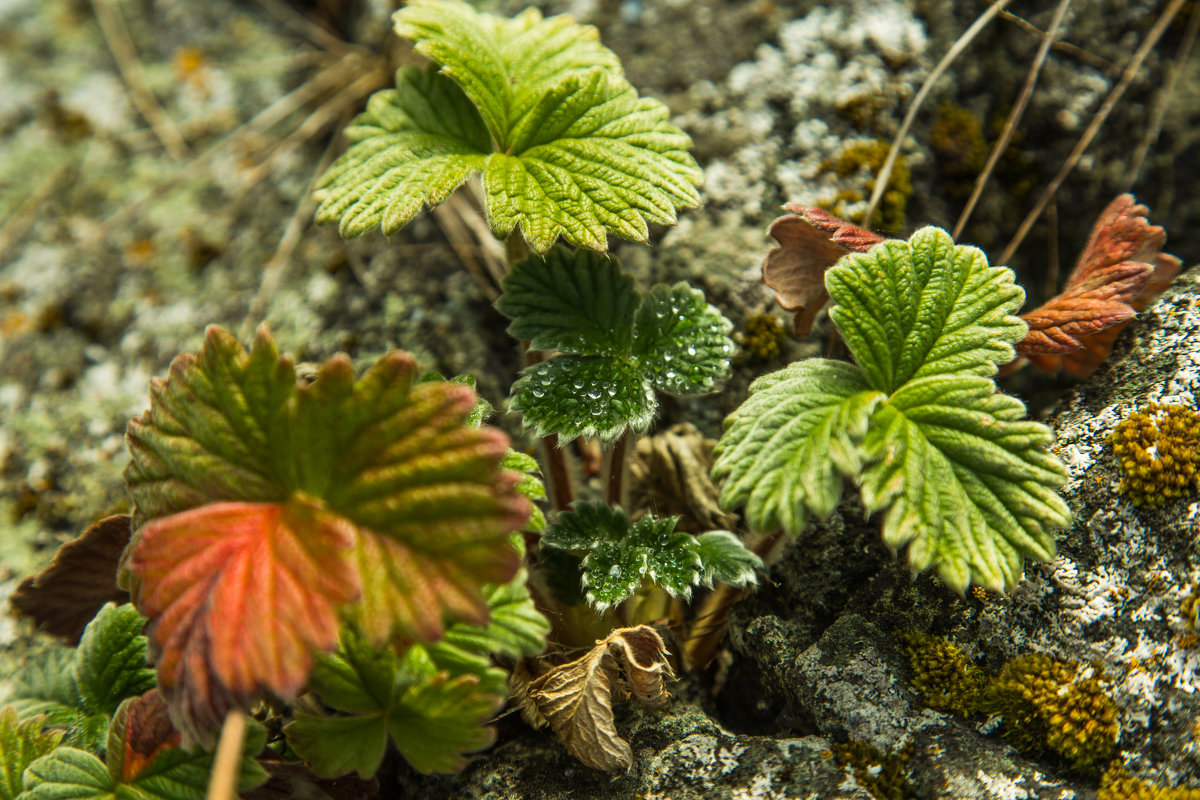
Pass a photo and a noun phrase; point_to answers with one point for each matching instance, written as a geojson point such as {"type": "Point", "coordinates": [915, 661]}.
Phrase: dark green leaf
{"type": "Point", "coordinates": [681, 341]}
{"type": "Point", "coordinates": [724, 558]}
{"type": "Point", "coordinates": [576, 396]}
{"type": "Point", "coordinates": [111, 659]}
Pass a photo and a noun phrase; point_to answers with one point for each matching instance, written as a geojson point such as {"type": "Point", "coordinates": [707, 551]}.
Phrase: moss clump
{"type": "Point", "coordinates": [763, 337]}
{"type": "Point", "coordinates": [884, 775]}
{"type": "Point", "coordinates": [943, 675]}
{"type": "Point", "coordinates": [864, 159]}
{"type": "Point", "coordinates": [1118, 784]}
{"type": "Point", "coordinates": [1046, 704]}
{"type": "Point", "coordinates": [956, 138]}
{"type": "Point", "coordinates": [1159, 454]}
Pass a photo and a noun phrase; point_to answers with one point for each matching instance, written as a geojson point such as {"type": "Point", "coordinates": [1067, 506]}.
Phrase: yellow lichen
{"type": "Point", "coordinates": [1158, 451]}
{"type": "Point", "coordinates": [1118, 784]}
{"type": "Point", "coordinates": [884, 775]}
{"type": "Point", "coordinates": [863, 160]}
{"type": "Point", "coordinates": [943, 675]}
{"type": "Point", "coordinates": [1046, 704]}
{"type": "Point", "coordinates": [762, 338]}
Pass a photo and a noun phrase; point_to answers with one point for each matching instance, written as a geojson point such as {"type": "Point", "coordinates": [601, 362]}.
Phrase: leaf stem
{"type": "Point", "coordinates": [222, 784]}
{"type": "Point", "coordinates": [617, 467]}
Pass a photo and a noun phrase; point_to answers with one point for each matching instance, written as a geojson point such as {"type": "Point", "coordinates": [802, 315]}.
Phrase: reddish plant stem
{"type": "Point", "coordinates": [615, 489]}
{"type": "Point", "coordinates": [558, 477]}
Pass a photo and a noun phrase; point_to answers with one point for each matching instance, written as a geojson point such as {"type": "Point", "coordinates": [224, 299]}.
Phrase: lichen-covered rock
{"type": "Point", "coordinates": [680, 755]}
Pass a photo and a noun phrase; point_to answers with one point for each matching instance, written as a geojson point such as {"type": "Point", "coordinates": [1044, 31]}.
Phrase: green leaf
{"type": "Point", "coordinates": [432, 713]}
{"type": "Point", "coordinates": [681, 341]}
{"type": "Point", "coordinates": [47, 687]}
{"type": "Point", "coordinates": [482, 410]}
{"type": "Point", "coordinates": [412, 147]}
{"type": "Point", "coordinates": [111, 659]}
{"type": "Point", "coordinates": [786, 450]}
{"type": "Point", "coordinates": [724, 558]}
{"type": "Point", "coordinates": [21, 743]}
{"type": "Point", "coordinates": [614, 164]}
{"type": "Point", "coordinates": [503, 65]}
{"type": "Point", "coordinates": [571, 302]}
{"type": "Point", "coordinates": [68, 774]}
{"type": "Point", "coordinates": [529, 485]}
{"type": "Point", "coordinates": [515, 628]}
{"type": "Point", "coordinates": [925, 307]}
{"type": "Point", "coordinates": [576, 396]}
{"type": "Point", "coordinates": [967, 484]}
{"type": "Point", "coordinates": [565, 145]}
{"type": "Point", "coordinates": [264, 507]}
{"type": "Point", "coordinates": [621, 555]}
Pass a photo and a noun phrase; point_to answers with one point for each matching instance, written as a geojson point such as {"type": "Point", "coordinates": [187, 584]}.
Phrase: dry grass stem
{"type": "Point", "coordinates": [222, 782]}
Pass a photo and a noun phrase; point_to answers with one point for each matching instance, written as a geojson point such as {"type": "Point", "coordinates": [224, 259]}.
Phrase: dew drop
{"type": "Point", "coordinates": [691, 350]}
{"type": "Point", "coordinates": [577, 383]}
{"type": "Point", "coordinates": [538, 393]}
{"type": "Point", "coordinates": [614, 571]}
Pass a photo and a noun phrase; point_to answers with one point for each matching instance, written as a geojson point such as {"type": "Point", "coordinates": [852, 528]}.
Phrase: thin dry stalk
{"type": "Point", "coordinates": [1098, 120]}
{"type": "Point", "coordinates": [121, 44]}
{"type": "Point", "coordinates": [1010, 124]}
{"type": "Point", "coordinates": [1086, 56]}
{"type": "Point", "coordinates": [885, 174]}
{"type": "Point", "coordinates": [222, 782]}
{"type": "Point", "coordinates": [453, 217]}
{"type": "Point", "coordinates": [21, 220]}
{"type": "Point", "coordinates": [1164, 99]}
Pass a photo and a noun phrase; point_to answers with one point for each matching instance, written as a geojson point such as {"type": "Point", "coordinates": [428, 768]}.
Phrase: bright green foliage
{"type": "Point", "coordinates": [21, 743]}
{"type": "Point", "coordinates": [267, 511]}
{"type": "Point", "coordinates": [618, 345]}
{"type": "Point", "coordinates": [77, 691]}
{"type": "Point", "coordinates": [433, 701]}
{"type": "Point", "coordinates": [966, 484]}
{"type": "Point", "coordinates": [539, 107]}
{"type": "Point", "coordinates": [172, 774]}
{"type": "Point", "coordinates": [619, 556]}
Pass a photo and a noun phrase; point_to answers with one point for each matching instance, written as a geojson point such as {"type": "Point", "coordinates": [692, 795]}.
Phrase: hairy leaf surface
{"type": "Point", "coordinates": [682, 342]}
{"type": "Point", "coordinates": [539, 107]}
{"type": "Point", "coordinates": [574, 396]}
{"type": "Point", "coordinates": [924, 307]}
{"type": "Point", "coordinates": [619, 555]}
{"type": "Point", "coordinates": [787, 449]}
{"type": "Point", "coordinates": [265, 506]}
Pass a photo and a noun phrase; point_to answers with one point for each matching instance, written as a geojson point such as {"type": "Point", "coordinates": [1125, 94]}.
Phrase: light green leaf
{"type": "Point", "coordinates": [682, 342]}
{"type": "Point", "coordinates": [565, 145]}
{"type": "Point", "coordinates": [515, 628]}
{"type": "Point", "coordinates": [925, 307]}
{"type": "Point", "coordinates": [724, 558]}
{"type": "Point", "coordinates": [111, 659]}
{"type": "Point", "coordinates": [786, 450]}
{"type": "Point", "coordinates": [503, 65]}
{"type": "Point", "coordinates": [68, 774]}
{"type": "Point", "coordinates": [967, 484]}
{"type": "Point", "coordinates": [412, 147]}
{"type": "Point", "coordinates": [576, 396]}
{"type": "Point", "coordinates": [21, 743]}
{"type": "Point", "coordinates": [530, 485]}
{"type": "Point", "coordinates": [571, 302]}
{"type": "Point", "coordinates": [615, 164]}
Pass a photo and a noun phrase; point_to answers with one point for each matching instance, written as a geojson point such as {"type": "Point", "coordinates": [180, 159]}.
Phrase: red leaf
{"type": "Point", "coordinates": [146, 731]}
{"type": "Point", "coordinates": [63, 598]}
{"type": "Point", "coordinates": [810, 241]}
{"type": "Point", "coordinates": [1119, 272]}
{"type": "Point", "coordinates": [239, 595]}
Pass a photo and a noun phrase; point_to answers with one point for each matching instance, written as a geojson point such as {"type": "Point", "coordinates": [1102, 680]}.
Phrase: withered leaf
{"type": "Point", "coordinates": [810, 241]}
{"type": "Point", "coordinates": [64, 597]}
{"type": "Point", "coordinates": [671, 477]}
{"type": "Point", "coordinates": [576, 699]}
{"type": "Point", "coordinates": [142, 732]}
{"type": "Point", "coordinates": [1119, 272]}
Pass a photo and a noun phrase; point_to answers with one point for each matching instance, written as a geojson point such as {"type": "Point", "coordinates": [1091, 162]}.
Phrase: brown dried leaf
{"type": "Point", "coordinates": [671, 477]}
{"type": "Point", "coordinates": [576, 699]}
{"type": "Point", "coordinates": [1120, 271]}
{"type": "Point", "coordinates": [810, 241]}
{"type": "Point", "coordinates": [145, 730]}
{"type": "Point", "coordinates": [82, 577]}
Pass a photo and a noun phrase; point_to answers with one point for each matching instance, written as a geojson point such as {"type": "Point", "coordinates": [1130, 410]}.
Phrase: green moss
{"type": "Point", "coordinates": [762, 338]}
{"type": "Point", "coordinates": [864, 159]}
{"type": "Point", "coordinates": [956, 138]}
{"type": "Point", "coordinates": [884, 775]}
{"type": "Point", "coordinates": [1118, 784]}
{"type": "Point", "coordinates": [1046, 704]}
{"type": "Point", "coordinates": [943, 675]}
{"type": "Point", "coordinates": [1158, 451]}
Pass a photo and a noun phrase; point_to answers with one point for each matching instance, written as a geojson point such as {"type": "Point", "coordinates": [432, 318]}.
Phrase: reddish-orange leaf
{"type": "Point", "coordinates": [810, 241]}
{"type": "Point", "coordinates": [63, 598]}
{"type": "Point", "coordinates": [146, 730]}
{"type": "Point", "coordinates": [1119, 272]}
{"type": "Point", "coordinates": [240, 594]}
